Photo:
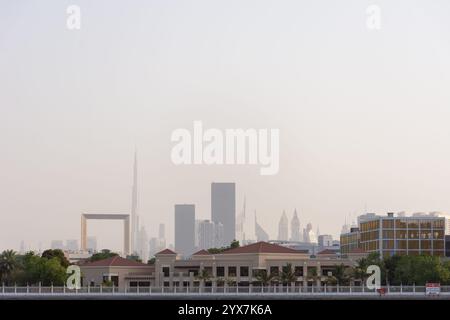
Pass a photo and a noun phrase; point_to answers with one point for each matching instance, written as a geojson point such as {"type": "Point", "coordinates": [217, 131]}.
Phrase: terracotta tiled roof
{"type": "Point", "coordinates": [327, 251]}
{"type": "Point", "coordinates": [261, 247]}
{"type": "Point", "coordinates": [166, 251]}
{"type": "Point", "coordinates": [115, 261]}
{"type": "Point", "coordinates": [202, 252]}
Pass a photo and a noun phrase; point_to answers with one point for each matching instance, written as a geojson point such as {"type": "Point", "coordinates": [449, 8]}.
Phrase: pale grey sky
{"type": "Point", "coordinates": [363, 115]}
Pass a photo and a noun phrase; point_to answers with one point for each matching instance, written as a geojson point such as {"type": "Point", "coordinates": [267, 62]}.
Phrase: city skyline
{"type": "Point", "coordinates": [362, 114]}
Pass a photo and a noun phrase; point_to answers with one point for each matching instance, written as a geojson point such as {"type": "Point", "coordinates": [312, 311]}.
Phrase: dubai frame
{"type": "Point", "coordinates": [126, 228]}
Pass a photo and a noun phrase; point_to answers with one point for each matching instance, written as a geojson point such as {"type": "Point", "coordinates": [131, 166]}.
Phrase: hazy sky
{"type": "Point", "coordinates": [364, 115]}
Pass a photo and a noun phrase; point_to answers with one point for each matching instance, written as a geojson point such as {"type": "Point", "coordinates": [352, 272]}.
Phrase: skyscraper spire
{"type": "Point", "coordinates": [134, 207]}
{"type": "Point", "coordinates": [283, 227]}
{"type": "Point", "coordinates": [295, 227]}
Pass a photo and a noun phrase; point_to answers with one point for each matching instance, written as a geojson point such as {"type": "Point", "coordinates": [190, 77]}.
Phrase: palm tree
{"type": "Point", "coordinates": [288, 275]}
{"type": "Point", "coordinates": [340, 273]}
{"type": "Point", "coordinates": [204, 276]}
{"type": "Point", "coordinates": [8, 263]}
{"type": "Point", "coordinates": [265, 278]}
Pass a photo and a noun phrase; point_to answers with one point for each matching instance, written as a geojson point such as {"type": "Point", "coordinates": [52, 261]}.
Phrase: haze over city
{"type": "Point", "coordinates": [363, 115]}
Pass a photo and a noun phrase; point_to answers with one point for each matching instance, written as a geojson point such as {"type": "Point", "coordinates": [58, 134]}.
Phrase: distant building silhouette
{"type": "Point", "coordinates": [261, 235]}
{"type": "Point", "coordinates": [92, 244]}
{"type": "Point", "coordinates": [283, 233]}
{"type": "Point", "coordinates": [223, 208]}
{"type": "Point", "coordinates": [185, 229]}
{"type": "Point", "coordinates": [240, 223]}
{"type": "Point", "coordinates": [134, 208]}
{"type": "Point", "coordinates": [57, 244]}
{"type": "Point", "coordinates": [309, 235]}
{"type": "Point", "coordinates": [295, 227]}
{"type": "Point", "coordinates": [72, 245]}
{"type": "Point", "coordinates": [325, 240]}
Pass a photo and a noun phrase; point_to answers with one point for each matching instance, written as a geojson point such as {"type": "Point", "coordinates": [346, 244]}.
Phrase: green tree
{"type": "Point", "coordinates": [265, 278]}
{"type": "Point", "coordinates": [234, 244]}
{"type": "Point", "coordinates": [56, 253]}
{"type": "Point", "coordinates": [42, 270]}
{"type": "Point", "coordinates": [287, 275]}
{"type": "Point", "coordinates": [8, 264]}
{"type": "Point", "coordinates": [104, 254]}
{"type": "Point", "coordinates": [204, 276]}
{"type": "Point", "coordinates": [341, 274]}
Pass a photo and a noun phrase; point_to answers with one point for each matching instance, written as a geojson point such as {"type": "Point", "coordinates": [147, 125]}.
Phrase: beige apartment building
{"type": "Point", "coordinates": [233, 267]}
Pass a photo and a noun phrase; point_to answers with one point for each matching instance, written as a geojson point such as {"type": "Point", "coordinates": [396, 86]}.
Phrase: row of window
{"type": "Point", "coordinates": [403, 234]}
{"type": "Point", "coordinates": [404, 244]}
{"type": "Point", "coordinates": [244, 271]}
{"type": "Point", "coordinates": [403, 224]}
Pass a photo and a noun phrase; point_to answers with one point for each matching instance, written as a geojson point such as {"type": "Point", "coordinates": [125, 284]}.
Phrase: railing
{"type": "Point", "coordinates": [227, 290]}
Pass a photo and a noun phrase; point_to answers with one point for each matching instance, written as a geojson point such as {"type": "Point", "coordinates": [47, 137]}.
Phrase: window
{"type": "Point", "coordinates": [243, 271]}
{"type": "Point", "coordinates": [425, 244]}
{"type": "Point", "coordinates": [388, 234]}
{"type": "Point", "coordinates": [413, 234]}
{"type": "Point", "coordinates": [166, 271]}
{"type": "Point", "coordinates": [438, 244]}
{"type": "Point", "coordinates": [388, 224]}
{"type": "Point", "coordinates": [426, 224]}
{"type": "Point", "coordinates": [274, 270]}
{"type": "Point", "coordinates": [220, 271]}
{"type": "Point", "coordinates": [298, 270]}
{"type": "Point", "coordinates": [413, 245]}
{"type": "Point", "coordinates": [232, 271]}
{"type": "Point", "coordinates": [400, 224]}
{"type": "Point", "coordinates": [208, 270]}
{"type": "Point", "coordinates": [439, 223]}
{"type": "Point", "coordinates": [413, 224]}
{"type": "Point", "coordinates": [401, 244]}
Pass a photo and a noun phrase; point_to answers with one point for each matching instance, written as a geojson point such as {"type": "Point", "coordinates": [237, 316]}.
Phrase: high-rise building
{"type": "Point", "coordinates": [206, 234]}
{"type": "Point", "coordinates": [155, 246]}
{"type": "Point", "coordinates": [240, 225]}
{"type": "Point", "coordinates": [185, 229]}
{"type": "Point", "coordinates": [92, 244]}
{"type": "Point", "coordinates": [162, 231]}
{"type": "Point", "coordinates": [325, 240]}
{"type": "Point", "coordinates": [283, 227]}
{"type": "Point", "coordinates": [295, 227]}
{"type": "Point", "coordinates": [309, 235]}
{"type": "Point", "coordinates": [260, 233]}
{"type": "Point", "coordinates": [57, 244]}
{"type": "Point", "coordinates": [134, 208]}
{"type": "Point", "coordinates": [218, 235]}
{"type": "Point", "coordinates": [22, 247]}
{"type": "Point", "coordinates": [223, 208]}
{"type": "Point", "coordinates": [143, 245]}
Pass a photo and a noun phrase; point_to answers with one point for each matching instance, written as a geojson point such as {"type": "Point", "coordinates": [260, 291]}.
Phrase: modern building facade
{"type": "Point", "coordinates": [389, 235]}
{"type": "Point", "coordinates": [185, 229]}
{"type": "Point", "coordinates": [223, 208]}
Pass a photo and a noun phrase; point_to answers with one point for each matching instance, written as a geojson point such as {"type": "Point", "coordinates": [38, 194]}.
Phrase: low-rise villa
{"type": "Point", "coordinates": [241, 266]}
